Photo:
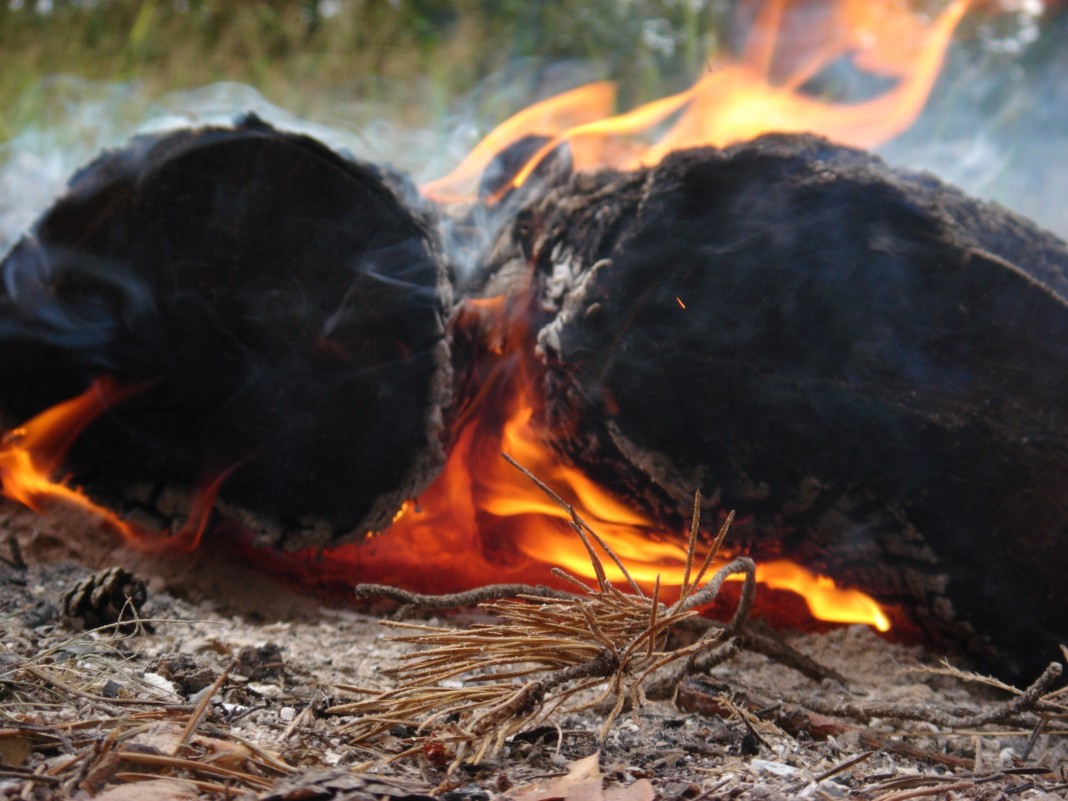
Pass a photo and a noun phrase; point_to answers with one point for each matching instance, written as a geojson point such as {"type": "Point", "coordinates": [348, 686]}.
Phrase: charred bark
{"type": "Point", "coordinates": [867, 365]}
{"type": "Point", "coordinates": [870, 367]}
{"type": "Point", "coordinates": [284, 307]}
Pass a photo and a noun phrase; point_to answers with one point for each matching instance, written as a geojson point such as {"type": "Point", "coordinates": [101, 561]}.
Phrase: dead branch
{"type": "Point", "coordinates": [549, 646]}
{"type": "Point", "coordinates": [490, 681]}
{"type": "Point", "coordinates": [411, 602]}
{"type": "Point", "coordinates": [1031, 700]}
{"type": "Point", "coordinates": [774, 648]}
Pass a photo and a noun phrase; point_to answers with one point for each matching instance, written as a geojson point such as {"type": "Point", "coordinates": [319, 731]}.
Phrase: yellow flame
{"type": "Point", "coordinates": [738, 100]}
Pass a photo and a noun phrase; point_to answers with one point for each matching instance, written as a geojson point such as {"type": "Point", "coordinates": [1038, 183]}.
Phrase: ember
{"type": "Point", "coordinates": [861, 361]}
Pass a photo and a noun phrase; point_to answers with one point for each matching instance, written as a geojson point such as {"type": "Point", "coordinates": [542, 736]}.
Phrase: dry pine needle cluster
{"type": "Point", "coordinates": [471, 689]}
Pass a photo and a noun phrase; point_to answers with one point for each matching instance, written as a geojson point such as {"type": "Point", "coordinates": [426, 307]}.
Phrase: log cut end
{"type": "Point", "coordinates": [286, 309]}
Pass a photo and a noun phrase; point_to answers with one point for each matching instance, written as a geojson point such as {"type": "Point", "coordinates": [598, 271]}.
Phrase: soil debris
{"type": "Point", "coordinates": [174, 713]}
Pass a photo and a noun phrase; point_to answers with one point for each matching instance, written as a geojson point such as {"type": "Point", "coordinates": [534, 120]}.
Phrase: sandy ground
{"type": "Point", "coordinates": [234, 673]}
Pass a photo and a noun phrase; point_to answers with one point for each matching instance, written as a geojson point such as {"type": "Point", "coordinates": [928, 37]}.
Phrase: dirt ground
{"type": "Point", "coordinates": [225, 692]}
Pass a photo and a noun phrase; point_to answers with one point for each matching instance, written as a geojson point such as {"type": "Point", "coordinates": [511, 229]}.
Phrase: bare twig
{"type": "Point", "coordinates": [201, 708]}
{"type": "Point", "coordinates": [1030, 700]}
{"type": "Point", "coordinates": [417, 602]}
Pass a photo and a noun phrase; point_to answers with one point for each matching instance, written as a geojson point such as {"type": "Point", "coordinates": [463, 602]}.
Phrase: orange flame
{"type": "Point", "coordinates": [736, 101]}
{"type": "Point", "coordinates": [481, 520]}
{"type": "Point", "coordinates": [31, 454]}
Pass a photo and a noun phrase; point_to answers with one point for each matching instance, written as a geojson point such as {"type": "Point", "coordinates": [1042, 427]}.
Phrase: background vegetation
{"type": "Point", "coordinates": [418, 82]}
{"type": "Point", "coordinates": [305, 55]}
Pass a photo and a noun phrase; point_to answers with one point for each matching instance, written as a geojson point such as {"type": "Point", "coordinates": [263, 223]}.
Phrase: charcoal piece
{"type": "Point", "coordinates": [870, 367]}
{"type": "Point", "coordinates": [262, 663]}
{"type": "Point", "coordinates": [281, 308]}
{"type": "Point", "coordinates": [185, 672]}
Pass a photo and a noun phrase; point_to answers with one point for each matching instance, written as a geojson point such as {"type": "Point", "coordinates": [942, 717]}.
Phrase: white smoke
{"type": "Point", "coordinates": [997, 125]}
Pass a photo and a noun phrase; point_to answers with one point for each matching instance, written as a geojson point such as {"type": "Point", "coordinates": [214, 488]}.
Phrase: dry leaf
{"type": "Point", "coordinates": [583, 782]}
{"type": "Point", "coordinates": [156, 789]}
{"type": "Point", "coordinates": [641, 790]}
{"type": "Point", "coordinates": [225, 754]}
{"type": "Point", "coordinates": [14, 751]}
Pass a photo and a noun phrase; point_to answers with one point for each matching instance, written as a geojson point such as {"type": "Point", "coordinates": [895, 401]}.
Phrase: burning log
{"type": "Point", "coordinates": [869, 366]}
{"type": "Point", "coordinates": [866, 364]}
{"type": "Point", "coordinates": [280, 310]}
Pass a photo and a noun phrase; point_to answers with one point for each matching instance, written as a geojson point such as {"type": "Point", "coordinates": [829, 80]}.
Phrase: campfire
{"type": "Point", "coordinates": [236, 336]}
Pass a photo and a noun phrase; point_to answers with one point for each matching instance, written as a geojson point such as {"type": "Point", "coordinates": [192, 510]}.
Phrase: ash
{"type": "Point", "coordinates": [223, 694]}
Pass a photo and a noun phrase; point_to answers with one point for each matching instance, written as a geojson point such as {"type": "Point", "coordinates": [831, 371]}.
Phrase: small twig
{"type": "Point", "coordinates": [774, 648]}
{"type": "Point", "coordinates": [418, 602]}
{"type": "Point", "coordinates": [862, 757]}
{"type": "Point", "coordinates": [582, 528]}
{"type": "Point", "coordinates": [745, 601]}
{"type": "Point", "coordinates": [46, 677]}
{"type": "Point", "coordinates": [708, 593]}
{"type": "Point", "coordinates": [691, 547]}
{"type": "Point", "coordinates": [1033, 739]}
{"type": "Point", "coordinates": [710, 556]}
{"type": "Point", "coordinates": [871, 739]}
{"type": "Point", "coordinates": [1030, 700]}
{"type": "Point", "coordinates": [12, 772]}
{"type": "Point", "coordinates": [16, 561]}
{"type": "Point", "coordinates": [193, 766]}
{"type": "Point", "coordinates": [929, 789]}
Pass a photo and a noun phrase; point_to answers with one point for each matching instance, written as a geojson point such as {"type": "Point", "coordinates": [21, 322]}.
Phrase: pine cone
{"type": "Point", "coordinates": [105, 598]}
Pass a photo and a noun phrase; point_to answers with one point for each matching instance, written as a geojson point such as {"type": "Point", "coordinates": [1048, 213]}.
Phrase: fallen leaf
{"type": "Point", "coordinates": [641, 790]}
{"type": "Point", "coordinates": [14, 751]}
{"type": "Point", "coordinates": [156, 789]}
{"type": "Point", "coordinates": [582, 783]}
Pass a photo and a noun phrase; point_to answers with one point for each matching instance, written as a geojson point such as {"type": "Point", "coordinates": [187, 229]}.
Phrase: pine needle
{"type": "Point", "coordinates": [471, 689]}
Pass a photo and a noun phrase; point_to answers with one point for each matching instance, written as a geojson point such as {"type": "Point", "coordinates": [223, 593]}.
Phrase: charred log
{"type": "Point", "coordinates": [282, 307]}
{"type": "Point", "coordinates": [869, 366]}
{"type": "Point", "coordinates": [866, 364]}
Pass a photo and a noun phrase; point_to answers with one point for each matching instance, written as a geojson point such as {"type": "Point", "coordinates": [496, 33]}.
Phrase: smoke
{"type": "Point", "coordinates": [997, 124]}
{"type": "Point", "coordinates": [82, 118]}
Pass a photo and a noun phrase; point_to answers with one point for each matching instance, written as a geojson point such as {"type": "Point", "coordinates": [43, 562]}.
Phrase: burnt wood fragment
{"type": "Point", "coordinates": [285, 308]}
{"type": "Point", "coordinates": [869, 366]}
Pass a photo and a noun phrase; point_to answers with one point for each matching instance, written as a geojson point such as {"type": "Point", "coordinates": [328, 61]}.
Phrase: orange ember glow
{"type": "Point", "coordinates": [482, 521]}
{"type": "Point", "coordinates": [761, 92]}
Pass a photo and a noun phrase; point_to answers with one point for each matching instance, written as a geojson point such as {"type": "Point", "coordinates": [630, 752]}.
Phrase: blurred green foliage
{"type": "Point", "coordinates": [302, 54]}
